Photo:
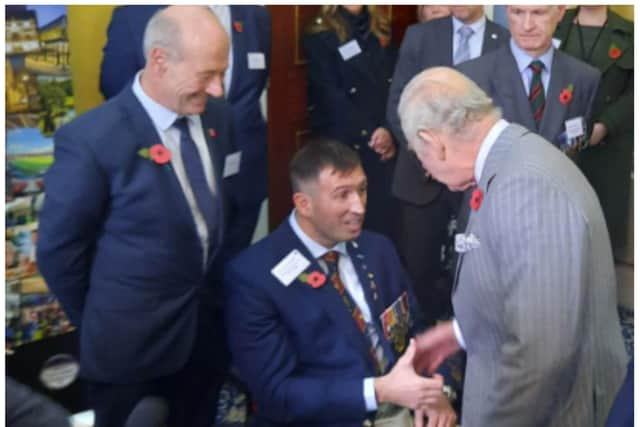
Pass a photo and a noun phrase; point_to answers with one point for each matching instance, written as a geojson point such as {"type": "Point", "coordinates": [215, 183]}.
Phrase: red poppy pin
{"type": "Point", "coordinates": [476, 199]}
{"type": "Point", "coordinates": [212, 133]}
{"type": "Point", "coordinates": [237, 25]}
{"type": "Point", "coordinates": [315, 279]}
{"type": "Point", "coordinates": [384, 41]}
{"type": "Point", "coordinates": [158, 153]}
{"type": "Point", "coordinates": [566, 95]}
{"type": "Point", "coordinates": [614, 52]}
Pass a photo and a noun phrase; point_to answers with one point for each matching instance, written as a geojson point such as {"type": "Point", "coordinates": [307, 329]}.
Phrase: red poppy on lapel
{"type": "Point", "coordinates": [316, 279]}
{"type": "Point", "coordinates": [566, 95]}
{"type": "Point", "coordinates": [159, 154]}
{"type": "Point", "coordinates": [212, 133]}
{"type": "Point", "coordinates": [614, 51]}
{"type": "Point", "coordinates": [476, 199]}
{"type": "Point", "coordinates": [237, 25]}
{"type": "Point", "coordinates": [384, 41]}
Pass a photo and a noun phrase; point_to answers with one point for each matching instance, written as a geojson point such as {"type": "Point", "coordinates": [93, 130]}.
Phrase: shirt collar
{"type": "Point", "coordinates": [523, 59]}
{"type": "Point", "coordinates": [316, 249]}
{"type": "Point", "coordinates": [486, 145]}
{"type": "Point", "coordinates": [162, 117]}
{"type": "Point", "coordinates": [477, 26]}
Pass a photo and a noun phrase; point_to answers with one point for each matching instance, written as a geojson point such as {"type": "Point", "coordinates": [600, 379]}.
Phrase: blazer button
{"type": "Point", "coordinates": [389, 80]}
{"type": "Point", "coordinates": [353, 90]}
{"type": "Point", "coordinates": [356, 146]}
{"type": "Point", "coordinates": [364, 132]}
{"type": "Point", "coordinates": [367, 423]}
{"type": "Point", "coordinates": [607, 98]}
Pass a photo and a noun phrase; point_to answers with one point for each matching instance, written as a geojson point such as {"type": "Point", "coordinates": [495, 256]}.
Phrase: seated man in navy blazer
{"type": "Point", "coordinates": [319, 311]}
{"type": "Point", "coordinates": [133, 225]}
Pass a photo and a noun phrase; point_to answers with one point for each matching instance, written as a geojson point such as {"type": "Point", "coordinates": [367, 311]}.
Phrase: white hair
{"type": "Point", "coordinates": [163, 32]}
{"type": "Point", "coordinates": [442, 98]}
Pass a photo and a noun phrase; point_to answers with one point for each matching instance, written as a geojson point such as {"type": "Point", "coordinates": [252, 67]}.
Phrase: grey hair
{"type": "Point", "coordinates": [163, 32]}
{"type": "Point", "coordinates": [434, 99]}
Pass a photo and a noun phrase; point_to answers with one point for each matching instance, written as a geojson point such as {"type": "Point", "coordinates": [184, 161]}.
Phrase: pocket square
{"type": "Point", "coordinates": [466, 242]}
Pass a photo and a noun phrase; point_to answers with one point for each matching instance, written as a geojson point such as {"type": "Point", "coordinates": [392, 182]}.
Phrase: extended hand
{"type": "Point", "coordinates": [404, 387]}
{"type": "Point", "coordinates": [434, 346]}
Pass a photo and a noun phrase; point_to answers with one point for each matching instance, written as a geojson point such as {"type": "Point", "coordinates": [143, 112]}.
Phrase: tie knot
{"type": "Point", "coordinates": [182, 125]}
{"type": "Point", "coordinates": [537, 66]}
{"type": "Point", "coordinates": [465, 32]}
{"type": "Point", "coordinates": [331, 257]}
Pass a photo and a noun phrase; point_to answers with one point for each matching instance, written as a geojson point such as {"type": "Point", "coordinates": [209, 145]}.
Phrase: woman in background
{"type": "Point", "coordinates": [350, 64]}
{"type": "Point", "coordinates": [604, 39]}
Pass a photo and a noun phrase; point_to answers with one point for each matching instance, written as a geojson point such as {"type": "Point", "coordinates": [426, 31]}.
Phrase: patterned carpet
{"type": "Point", "coordinates": [232, 404]}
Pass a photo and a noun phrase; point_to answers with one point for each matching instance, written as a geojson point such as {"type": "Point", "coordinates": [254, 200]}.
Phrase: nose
{"type": "Point", "coordinates": [528, 21]}
{"type": "Point", "coordinates": [215, 87]}
{"type": "Point", "coordinates": [358, 203]}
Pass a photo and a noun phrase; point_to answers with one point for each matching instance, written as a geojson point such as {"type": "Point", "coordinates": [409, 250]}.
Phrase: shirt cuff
{"type": "Point", "coordinates": [369, 391]}
{"type": "Point", "coordinates": [458, 333]}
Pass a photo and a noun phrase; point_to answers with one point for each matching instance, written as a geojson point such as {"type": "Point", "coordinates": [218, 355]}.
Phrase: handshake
{"type": "Point", "coordinates": [403, 386]}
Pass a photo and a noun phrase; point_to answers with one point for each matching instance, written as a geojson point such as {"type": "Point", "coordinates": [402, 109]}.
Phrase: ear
{"type": "Point", "coordinates": [158, 60]}
{"type": "Point", "coordinates": [302, 203]}
{"type": "Point", "coordinates": [561, 11]}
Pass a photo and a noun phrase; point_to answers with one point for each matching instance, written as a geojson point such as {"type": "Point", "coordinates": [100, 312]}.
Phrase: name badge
{"type": "Point", "coordinates": [290, 267]}
{"type": "Point", "coordinates": [349, 50]}
{"type": "Point", "coordinates": [575, 127]}
{"type": "Point", "coordinates": [232, 164]}
{"type": "Point", "coordinates": [256, 61]}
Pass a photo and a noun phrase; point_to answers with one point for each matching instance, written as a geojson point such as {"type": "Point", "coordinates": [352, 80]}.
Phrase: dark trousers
{"type": "Point", "coordinates": [422, 243]}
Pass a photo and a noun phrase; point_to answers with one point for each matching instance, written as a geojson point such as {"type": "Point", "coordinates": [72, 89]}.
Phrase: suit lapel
{"type": "Point", "coordinates": [146, 136]}
{"type": "Point", "coordinates": [555, 113]}
{"type": "Point", "coordinates": [508, 84]}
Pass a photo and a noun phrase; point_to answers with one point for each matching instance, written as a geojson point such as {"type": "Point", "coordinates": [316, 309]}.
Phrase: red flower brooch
{"type": "Point", "coordinates": [158, 153]}
{"type": "Point", "coordinates": [315, 279]}
{"type": "Point", "coordinates": [476, 199]}
{"type": "Point", "coordinates": [566, 95]}
{"type": "Point", "coordinates": [384, 41]}
{"type": "Point", "coordinates": [237, 25]}
{"type": "Point", "coordinates": [212, 133]}
{"type": "Point", "coordinates": [614, 52]}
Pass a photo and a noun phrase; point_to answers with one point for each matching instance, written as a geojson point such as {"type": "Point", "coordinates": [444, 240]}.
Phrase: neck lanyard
{"type": "Point", "coordinates": [595, 42]}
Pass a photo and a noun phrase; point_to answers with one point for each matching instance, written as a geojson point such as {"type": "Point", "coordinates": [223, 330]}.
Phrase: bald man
{"type": "Point", "coordinates": [133, 227]}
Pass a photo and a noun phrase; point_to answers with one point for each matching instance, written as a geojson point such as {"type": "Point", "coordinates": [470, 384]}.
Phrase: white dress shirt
{"type": "Point", "coordinates": [163, 120]}
{"type": "Point", "coordinates": [351, 283]}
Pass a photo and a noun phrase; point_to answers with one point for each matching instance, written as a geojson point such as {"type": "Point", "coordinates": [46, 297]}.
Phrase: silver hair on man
{"type": "Point", "coordinates": [444, 99]}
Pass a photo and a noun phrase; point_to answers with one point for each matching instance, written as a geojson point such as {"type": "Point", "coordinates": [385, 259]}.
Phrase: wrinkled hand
{"type": "Point", "coordinates": [404, 387]}
{"type": "Point", "coordinates": [434, 346]}
{"type": "Point", "coordinates": [441, 415]}
{"type": "Point", "coordinates": [382, 143]}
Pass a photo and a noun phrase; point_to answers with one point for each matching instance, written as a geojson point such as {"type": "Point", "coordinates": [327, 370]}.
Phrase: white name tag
{"type": "Point", "coordinates": [575, 127]}
{"type": "Point", "coordinates": [232, 164]}
{"type": "Point", "coordinates": [349, 50]}
{"type": "Point", "coordinates": [290, 267]}
{"type": "Point", "coordinates": [256, 61]}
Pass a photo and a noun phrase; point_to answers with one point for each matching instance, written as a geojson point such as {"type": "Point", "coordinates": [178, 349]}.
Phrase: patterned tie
{"type": "Point", "coordinates": [197, 179]}
{"type": "Point", "coordinates": [376, 352]}
{"type": "Point", "coordinates": [462, 53]}
{"type": "Point", "coordinates": [536, 91]}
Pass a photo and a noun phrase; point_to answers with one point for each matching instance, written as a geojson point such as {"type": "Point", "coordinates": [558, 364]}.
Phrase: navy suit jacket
{"type": "Point", "coordinates": [118, 244]}
{"type": "Point", "coordinates": [123, 57]}
{"type": "Point", "coordinates": [497, 74]}
{"type": "Point", "coordinates": [297, 347]}
{"type": "Point", "coordinates": [425, 45]}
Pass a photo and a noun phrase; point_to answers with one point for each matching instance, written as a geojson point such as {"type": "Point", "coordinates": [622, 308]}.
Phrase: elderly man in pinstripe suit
{"type": "Point", "coordinates": [534, 295]}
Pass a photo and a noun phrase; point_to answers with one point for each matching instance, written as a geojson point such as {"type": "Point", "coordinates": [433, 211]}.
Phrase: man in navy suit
{"type": "Point", "coordinates": [427, 206]}
{"type": "Point", "coordinates": [319, 310]}
{"type": "Point", "coordinates": [249, 30]}
{"type": "Point", "coordinates": [133, 225]}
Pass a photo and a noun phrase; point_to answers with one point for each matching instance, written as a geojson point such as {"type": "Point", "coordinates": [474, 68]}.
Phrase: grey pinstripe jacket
{"type": "Point", "coordinates": [536, 301]}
